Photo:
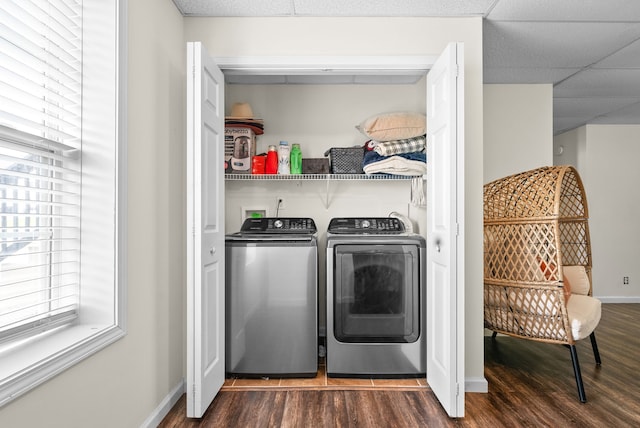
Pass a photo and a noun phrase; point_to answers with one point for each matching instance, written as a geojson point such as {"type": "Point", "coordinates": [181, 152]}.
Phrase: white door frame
{"type": "Point", "coordinates": [380, 65]}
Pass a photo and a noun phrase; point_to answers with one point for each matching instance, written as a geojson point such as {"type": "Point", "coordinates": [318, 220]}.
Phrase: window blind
{"type": "Point", "coordinates": [40, 143]}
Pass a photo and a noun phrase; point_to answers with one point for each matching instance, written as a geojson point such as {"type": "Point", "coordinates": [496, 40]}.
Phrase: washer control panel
{"type": "Point", "coordinates": [366, 225]}
{"type": "Point", "coordinates": [271, 225]}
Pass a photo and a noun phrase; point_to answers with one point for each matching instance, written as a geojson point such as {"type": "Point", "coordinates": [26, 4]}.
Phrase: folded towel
{"type": "Point", "coordinates": [395, 147]}
{"type": "Point", "coordinates": [408, 164]}
{"type": "Point", "coordinates": [372, 156]}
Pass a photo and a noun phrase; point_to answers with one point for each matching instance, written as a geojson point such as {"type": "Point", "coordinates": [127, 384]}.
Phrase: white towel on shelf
{"type": "Point", "coordinates": [397, 165]}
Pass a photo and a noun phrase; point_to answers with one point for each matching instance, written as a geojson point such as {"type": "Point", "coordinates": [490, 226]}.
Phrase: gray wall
{"type": "Point", "coordinates": [606, 159]}
{"type": "Point", "coordinates": [518, 129]}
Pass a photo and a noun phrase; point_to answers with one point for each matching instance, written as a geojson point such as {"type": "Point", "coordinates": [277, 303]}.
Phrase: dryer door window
{"type": "Point", "coordinates": [376, 293]}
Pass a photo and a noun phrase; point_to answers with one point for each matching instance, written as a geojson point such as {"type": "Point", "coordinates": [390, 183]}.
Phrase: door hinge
{"type": "Point", "coordinates": [457, 389]}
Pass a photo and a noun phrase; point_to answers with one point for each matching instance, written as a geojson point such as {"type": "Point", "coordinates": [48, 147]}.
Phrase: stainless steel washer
{"type": "Point", "coordinates": [376, 323]}
{"type": "Point", "coordinates": [271, 298]}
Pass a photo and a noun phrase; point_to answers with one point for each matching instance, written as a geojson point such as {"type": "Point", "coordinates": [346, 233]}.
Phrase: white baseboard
{"type": "Point", "coordinates": [476, 384]}
{"type": "Point", "coordinates": [165, 406]}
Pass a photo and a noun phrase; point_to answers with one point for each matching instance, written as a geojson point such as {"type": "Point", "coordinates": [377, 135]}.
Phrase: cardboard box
{"type": "Point", "coordinates": [239, 149]}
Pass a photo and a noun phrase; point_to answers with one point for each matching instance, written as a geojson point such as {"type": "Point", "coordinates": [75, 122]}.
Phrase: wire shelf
{"type": "Point", "coordinates": [312, 177]}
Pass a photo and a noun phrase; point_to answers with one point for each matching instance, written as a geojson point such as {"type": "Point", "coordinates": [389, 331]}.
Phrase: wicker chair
{"type": "Point", "coordinates": [536, 245]}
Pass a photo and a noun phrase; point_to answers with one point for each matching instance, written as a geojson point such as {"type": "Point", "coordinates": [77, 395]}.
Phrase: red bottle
{"type": "Point", "coordinates": [272, 161]}
{"type": "Point", "coordinates": [258, 164]}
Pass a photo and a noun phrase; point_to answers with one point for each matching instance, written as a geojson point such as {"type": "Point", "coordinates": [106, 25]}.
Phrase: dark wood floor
{"type": "Point", "coordinates": [530, 384]}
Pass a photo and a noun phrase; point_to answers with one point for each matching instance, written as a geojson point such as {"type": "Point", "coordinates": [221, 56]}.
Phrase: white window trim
{"type": "Point", "coordinates": [38, 359]}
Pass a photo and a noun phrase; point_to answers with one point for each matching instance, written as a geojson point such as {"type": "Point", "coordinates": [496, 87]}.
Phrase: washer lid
{"type": "Point", "coordinates": [366, 225]}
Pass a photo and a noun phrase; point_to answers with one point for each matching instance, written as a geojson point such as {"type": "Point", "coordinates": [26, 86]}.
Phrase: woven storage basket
{"type": "Point", "coordinates": [345, 160]}
{"type": "Point", "coordinates": [534, 223]}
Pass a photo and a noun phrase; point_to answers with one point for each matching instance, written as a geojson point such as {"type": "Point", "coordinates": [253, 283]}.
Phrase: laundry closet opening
{"type": "Point", "coordinates": [319, 116]}
{"type": "Point", "coordinates": [317, 102]}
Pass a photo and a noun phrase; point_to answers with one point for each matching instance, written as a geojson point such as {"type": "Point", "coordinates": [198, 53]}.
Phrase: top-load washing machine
{"type": "Point", "coordinates": [272, 298]}
{"type": "Point", "coordinates": [376, 299]}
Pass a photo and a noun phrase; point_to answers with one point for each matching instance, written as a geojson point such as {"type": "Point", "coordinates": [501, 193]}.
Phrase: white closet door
{"type": "Point", "coordinates": [205, 230]}
{"type": "Point", "coordinates": [445, 240]}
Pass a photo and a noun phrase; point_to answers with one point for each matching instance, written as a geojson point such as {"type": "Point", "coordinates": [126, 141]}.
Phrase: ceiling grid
{"type": "Point", "coordinates": [588, 49]}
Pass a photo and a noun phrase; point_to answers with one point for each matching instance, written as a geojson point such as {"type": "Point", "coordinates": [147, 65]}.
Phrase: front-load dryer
{"type": "Point", "coordinates": [376, 323]}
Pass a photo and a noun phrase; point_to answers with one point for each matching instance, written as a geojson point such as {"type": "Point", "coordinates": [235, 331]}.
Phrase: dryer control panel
{"type": "Point", "coordinates": [366, 225]}
{"type": "Point", "coordinates": [274, 225]}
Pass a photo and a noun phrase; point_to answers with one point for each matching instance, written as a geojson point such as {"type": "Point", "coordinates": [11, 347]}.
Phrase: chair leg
{"type": "Point", "coordinates": [493, 336]}
{"type": "Point", "coordinates": [594, 345]}
{"type": "Point", "coordinates": [576, 371]}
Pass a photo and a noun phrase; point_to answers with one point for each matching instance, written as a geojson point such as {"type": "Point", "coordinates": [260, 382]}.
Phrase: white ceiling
{"type": "Point", "coordinates": [588, 49]}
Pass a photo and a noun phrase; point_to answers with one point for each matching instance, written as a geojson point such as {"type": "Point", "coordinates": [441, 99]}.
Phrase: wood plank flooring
{"type": "Point", "coordinates": [530, 385]}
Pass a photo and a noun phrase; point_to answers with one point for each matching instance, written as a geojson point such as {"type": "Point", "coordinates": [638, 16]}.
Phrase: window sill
{"type": "Point", "coordinates": [34, 361]}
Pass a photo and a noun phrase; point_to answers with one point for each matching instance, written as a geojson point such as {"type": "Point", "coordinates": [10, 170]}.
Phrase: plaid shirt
{"type": "Point", "coordinates": [396, 147]}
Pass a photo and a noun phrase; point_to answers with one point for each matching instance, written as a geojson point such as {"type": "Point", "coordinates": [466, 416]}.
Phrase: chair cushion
{"type": "Point", "coordinates": [584, 315]}
{"type": "Point", "coordinates": [578, 278]}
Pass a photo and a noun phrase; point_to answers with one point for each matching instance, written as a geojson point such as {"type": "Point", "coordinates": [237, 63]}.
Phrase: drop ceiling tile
{"type": "Point", "coordinates": [600, 83]}
{"type": "Point", "coordinates": [566, 10]}
{"type": "Point", "coordinates": [627, 57]}
{"type": "Point", "coordinates": [234, 8]}
{"type": "Point", "coordinates": [391, 8]}
{"type": "Point", "coordinates": [589, 106]}
{"type": "Point", "coordinates": [526, 75]}
{"type": "Point", "coordinates": [626, 115]}
{"type": "Point", "coordinates": [560, 45]}
{"type": "Point", "coordinates": [564, 124]}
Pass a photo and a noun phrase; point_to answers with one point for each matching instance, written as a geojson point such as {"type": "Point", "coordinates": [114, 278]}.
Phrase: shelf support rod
{"type": "Point", "coordinates": [326, 194]}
